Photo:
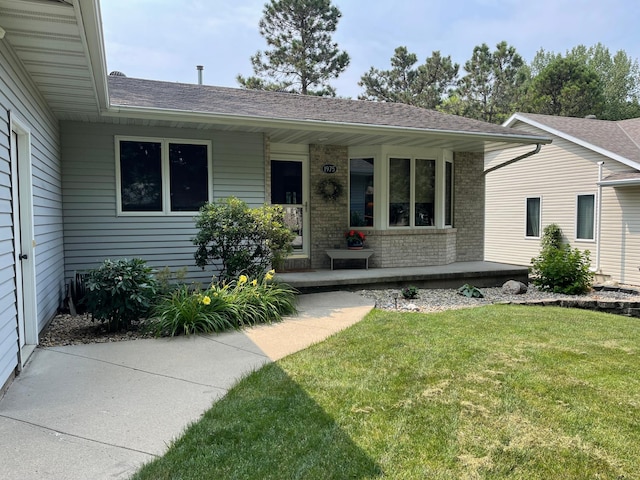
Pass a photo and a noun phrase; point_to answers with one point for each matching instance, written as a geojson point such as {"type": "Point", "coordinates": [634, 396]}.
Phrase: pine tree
{"type": "Point", "coordinates": [301, 56]}
{"type": "Point", "coordinates": [424, 86]}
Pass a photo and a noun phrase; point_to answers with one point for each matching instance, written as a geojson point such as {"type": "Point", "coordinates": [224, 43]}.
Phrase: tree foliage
{"type": "Point", "coordinates": [423, 86]}
{"type": "Point", "coordinates": [493, 83]}
{"type": "Point", "coordinates": [566, 87]}
{"type": "Point", "coordinates": [301, 56]}
{"type": "Point", "coordinates": [619, 77]}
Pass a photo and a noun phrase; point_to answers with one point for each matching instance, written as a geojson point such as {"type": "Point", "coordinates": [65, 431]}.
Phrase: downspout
{"type": "Point", "coordinates": [514, 160]}
{"type": "Point", "coordinates": [596, 267]}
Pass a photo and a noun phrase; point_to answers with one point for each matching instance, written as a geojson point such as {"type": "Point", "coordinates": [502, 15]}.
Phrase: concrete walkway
{"type": "Point", "coordinates": [99, 411]}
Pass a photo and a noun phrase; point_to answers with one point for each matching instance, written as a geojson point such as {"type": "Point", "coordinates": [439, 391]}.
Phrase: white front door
{"type": "Point", "coordinates": [23, 246]}
{"type": "Point", "coordinates": [289, 189]}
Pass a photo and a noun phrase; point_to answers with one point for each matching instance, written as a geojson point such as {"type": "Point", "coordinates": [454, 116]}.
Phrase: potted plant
{"type": "Point", "coordinates": [355, 239]}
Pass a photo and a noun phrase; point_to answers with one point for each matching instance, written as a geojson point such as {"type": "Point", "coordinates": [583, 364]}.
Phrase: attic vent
{"type": "Point", "coordinates": [116, 73]}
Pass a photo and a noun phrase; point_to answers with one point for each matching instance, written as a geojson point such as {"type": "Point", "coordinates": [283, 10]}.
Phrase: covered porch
{"type": "Point", "coordinates": [453, 275]}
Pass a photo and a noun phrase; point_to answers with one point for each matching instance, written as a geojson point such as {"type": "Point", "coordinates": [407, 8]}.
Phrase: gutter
{"type": "Point", "coordinates": [514, 160]}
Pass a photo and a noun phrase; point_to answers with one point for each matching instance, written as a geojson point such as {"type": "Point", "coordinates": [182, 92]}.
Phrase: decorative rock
{"type": "Point", "coordinates": [514, 287]}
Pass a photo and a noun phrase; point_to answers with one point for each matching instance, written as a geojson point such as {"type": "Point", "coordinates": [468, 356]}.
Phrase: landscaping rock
{"type": "Point", "coordinates": [513, 287]}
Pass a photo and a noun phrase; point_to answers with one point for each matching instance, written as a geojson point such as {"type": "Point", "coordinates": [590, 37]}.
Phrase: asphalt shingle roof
{"type": "Point", "coordinates": [134, 92]}
{"type": "Point", "coordinates": [619, 137]}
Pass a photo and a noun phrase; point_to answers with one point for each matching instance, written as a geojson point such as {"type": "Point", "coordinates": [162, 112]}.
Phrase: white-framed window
{"type": "Point", "coordinates": [160, 176]}
{"type": "Point", "coordinates": [361, 193]}
{"type": "Point", "coordinates": [412, 192]}
{"type": "Point", "coordinates": [585, 216]}
{"type": "Point", "coordinates": [533, 220]}
{"type": "Point", "coordinates": [448, 194]}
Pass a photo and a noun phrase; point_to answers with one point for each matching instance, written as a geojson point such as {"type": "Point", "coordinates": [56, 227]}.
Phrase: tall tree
{"type": "Point", "coordinates": [302, 57]}
{"type": "Point", "coordinates": [423, 86]}
{"type": "Point", "coordinates": [619, 77]}
{"type": "Point", "coordinates": [492, 85]}
{"type": "Point", "coordinates": [567, 87]}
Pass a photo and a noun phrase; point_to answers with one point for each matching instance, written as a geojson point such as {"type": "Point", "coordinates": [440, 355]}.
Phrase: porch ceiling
{"type": "Point", "coordinates": [305, 134]}
{"type": "Point", "coordinates": [55, 43]}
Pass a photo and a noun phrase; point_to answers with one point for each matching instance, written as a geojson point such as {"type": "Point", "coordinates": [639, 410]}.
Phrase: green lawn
{"type": "Point", "coordinates": [491, 392]}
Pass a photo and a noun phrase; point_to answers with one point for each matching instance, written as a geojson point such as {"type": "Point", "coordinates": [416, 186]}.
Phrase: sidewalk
{"type": "Point", "coordinates": [99, 411]}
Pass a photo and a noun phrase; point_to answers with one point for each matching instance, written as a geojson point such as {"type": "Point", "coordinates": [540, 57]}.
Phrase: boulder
{"type": "Point", "coordinates": [514, 287]}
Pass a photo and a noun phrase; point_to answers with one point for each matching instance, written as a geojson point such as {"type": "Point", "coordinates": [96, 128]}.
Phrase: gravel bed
{"type": "Point", "coordinates": [437, 300]}
{"type": "Point", "coordinates": [79, 329]}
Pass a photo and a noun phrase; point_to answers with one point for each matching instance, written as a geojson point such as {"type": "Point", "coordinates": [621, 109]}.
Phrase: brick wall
{"type": "Point", "coordinates": [329, 219]}
{"type": "Point", "coordinates": [411, 247]}
{"type": "Point", "coordinates": [469, 206]}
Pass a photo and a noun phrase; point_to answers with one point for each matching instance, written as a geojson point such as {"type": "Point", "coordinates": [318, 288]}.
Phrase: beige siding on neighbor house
{"type": "Point", "coordinates": [557, 174]}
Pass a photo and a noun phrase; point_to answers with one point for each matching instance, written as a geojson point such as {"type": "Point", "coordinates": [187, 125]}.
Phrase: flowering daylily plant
{"type": "Point", "coordinates": [354, 235]}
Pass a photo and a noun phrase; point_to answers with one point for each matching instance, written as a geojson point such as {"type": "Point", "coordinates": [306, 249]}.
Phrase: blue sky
{"type": "Point", "coordinates": [166, 39]}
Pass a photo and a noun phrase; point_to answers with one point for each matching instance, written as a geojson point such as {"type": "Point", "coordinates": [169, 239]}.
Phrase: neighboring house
{"type": "Point", "coordinates": [597, 210]}
{"type": "Point", "coordinates": [95, 166]}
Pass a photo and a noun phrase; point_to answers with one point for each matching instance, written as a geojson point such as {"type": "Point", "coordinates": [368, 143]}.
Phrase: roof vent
{"type": "Point", "coordinates": [116, 73]}
{"type": "Point", "coordinates": [199, 68]}
{"type": "Point", "coordinates": [591, 117]}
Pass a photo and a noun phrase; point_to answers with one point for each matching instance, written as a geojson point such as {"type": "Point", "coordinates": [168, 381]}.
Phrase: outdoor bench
{"type": "Point", "coordinates": [346, 254]}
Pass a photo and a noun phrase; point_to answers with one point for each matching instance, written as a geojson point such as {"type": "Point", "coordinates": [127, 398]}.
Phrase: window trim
{"type": "Point", "coordinates": [593, 238]}
{"type": "Point", "coordinates": [526, 217]}
{"type": "Point", "coordinates": [165, 174]}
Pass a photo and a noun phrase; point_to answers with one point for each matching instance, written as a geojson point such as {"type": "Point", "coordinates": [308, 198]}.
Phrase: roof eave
{"type": "Point", "coordinates": [306, 124]}
{"type": "Point", "coordinates": [590, 146]}
{"type": "Point", "coordinates": [630, 182]}
{"type": "Point", "coordinates": [90, 23]}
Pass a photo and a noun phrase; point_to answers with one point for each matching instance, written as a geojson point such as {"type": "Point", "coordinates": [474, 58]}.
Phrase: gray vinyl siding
{"type": "Point", "coordinates": [560, 172]}
{"type": "Point", "coordinates": [17, 94]}
{"type": "Point", "coordinates": [94, 231]}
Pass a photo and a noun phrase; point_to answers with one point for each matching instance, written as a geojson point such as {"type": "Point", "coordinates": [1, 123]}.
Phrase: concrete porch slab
{"type": "Point", "coordinates": [453, 275]}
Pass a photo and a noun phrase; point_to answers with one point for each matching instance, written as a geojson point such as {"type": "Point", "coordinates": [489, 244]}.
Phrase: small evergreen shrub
{"type": "Point", "coordinates": [409, 292]}
{"type": "Point", "coordinates": [560, 268]}
{"type": "Point", "coordinates": [241, 240]}
{"type": "Point", "coordinates": [119, 292]}
{"type": "Point", "coordinates": [239, 303]}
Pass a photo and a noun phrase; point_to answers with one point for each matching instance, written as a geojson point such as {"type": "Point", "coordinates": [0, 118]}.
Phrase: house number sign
{"type": "Point", "coordinates": [329, 168]}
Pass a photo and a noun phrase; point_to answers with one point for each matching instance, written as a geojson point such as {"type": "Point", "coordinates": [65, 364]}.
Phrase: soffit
{"type": "Point", "coordinates": [49, 41]}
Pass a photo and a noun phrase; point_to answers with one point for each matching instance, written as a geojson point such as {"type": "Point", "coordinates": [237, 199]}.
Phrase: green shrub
{"type": "Point", "coordinates": [119, 292]}
{"type": "Point", "coordinates": [470, 291]}
{"type": "Point", "coordinates": [559, 268]}
{"type": "Point", "coordinates": [223, 306]}
{"type": "Point", "coordinates": [241, 240]}
{"type": "Point", "coordinates": [409, 292]}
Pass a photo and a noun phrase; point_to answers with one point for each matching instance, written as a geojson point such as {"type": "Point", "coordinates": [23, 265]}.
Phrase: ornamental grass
{"type": "Point", "coordinates": [240, 303]}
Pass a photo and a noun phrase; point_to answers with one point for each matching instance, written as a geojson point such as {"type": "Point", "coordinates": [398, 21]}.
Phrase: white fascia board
{"type": "Point", "coordinates": [90, 26]}
{"type": "Point", "coordinates": [602, 151]}
{"type": "Point", "coordinates": [301, 124]}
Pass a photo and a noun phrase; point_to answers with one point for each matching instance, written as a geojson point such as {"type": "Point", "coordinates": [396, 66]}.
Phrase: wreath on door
{"type": "Point", "coordinates": [329, 189]}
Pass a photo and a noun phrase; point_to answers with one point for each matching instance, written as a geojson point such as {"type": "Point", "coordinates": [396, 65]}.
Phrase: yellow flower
{"type": "Point", "coordinates": [269, 275]}
{"type": "Point", "coordinates": [242, 280]}
{"type": "Point", "coordinates": [254, 282]}
{"type": "Point", "coordinates": [206, 300]}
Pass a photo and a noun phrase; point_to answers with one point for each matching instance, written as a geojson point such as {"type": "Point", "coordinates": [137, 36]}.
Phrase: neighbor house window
{"type": "Point", "coordinates": [162, 176]}
{"type": "Point", "coordinates": [412, 192]}
{"type": "Point", "coordinates": [585, 217]}
{"type": "Point", "coordinates": [533, 226]}
{"type": "Point", "coordinates": [361, 192]}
